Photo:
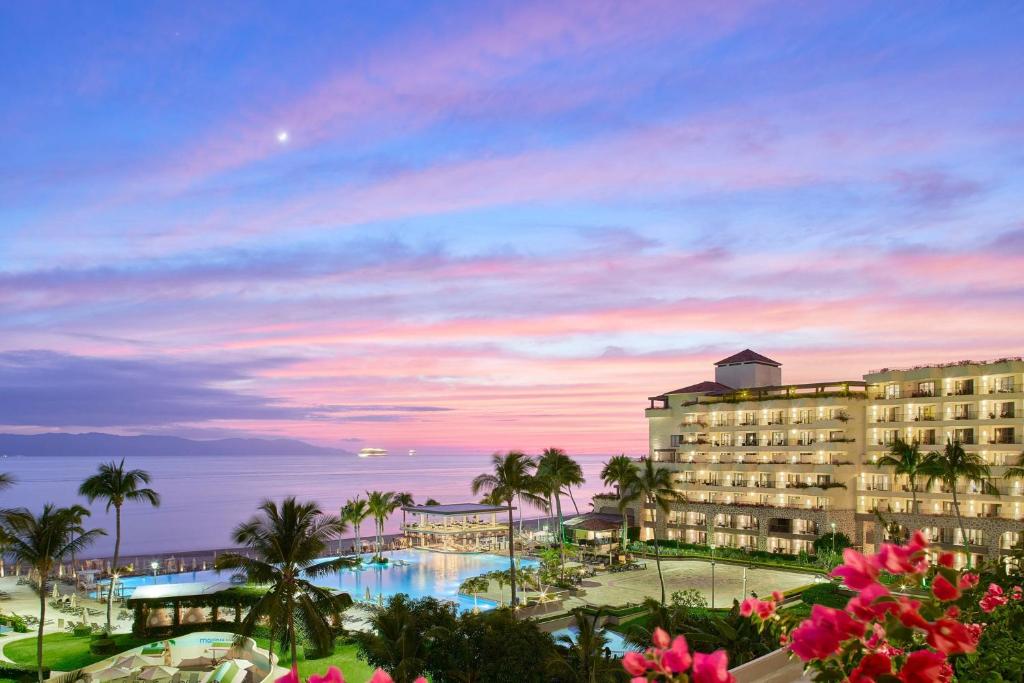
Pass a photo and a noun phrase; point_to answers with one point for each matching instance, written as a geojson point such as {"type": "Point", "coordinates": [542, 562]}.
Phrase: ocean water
{"type": "Point", "coordinates": [204, 498]}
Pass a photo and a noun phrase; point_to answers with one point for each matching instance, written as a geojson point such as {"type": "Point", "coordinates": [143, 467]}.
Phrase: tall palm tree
{"type": "Point", "coordinates": [556, 472]}
{"type": "Point", "coordinates": [78, 514]}
{"type": "Point", "coordinates": [404, 500]}
{"type": "Point", "coordinates": [117, 486]}
{"type": "Point", "coordinates": [381, 504]}
{"type": "Point", "coordinates": [905, 459]}
{"type": "Point", "coordinates": [512, 477]}
{"type": "Point", "coordinates": [354, 512]}
{"type": "Point", "coordinates": [951, 465]}
{"type": "Point", "coordinates": [42, 542]}
{"type": "Point", "coordinates": [653, 485]}
{"type": "Point", "coordinates": [618, 472]}
{"type": "Point", "coordinates": [285, 541]}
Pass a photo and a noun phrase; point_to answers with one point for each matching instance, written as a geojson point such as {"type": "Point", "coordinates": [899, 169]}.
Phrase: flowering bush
{"type": "Point", "coordinates": [333, 675]}
{"type": "Point", "coordinates": [670, 660]}
{"type": "Point", "coordinates": [884, 636]}
{"type": "Point", "coordinates": [879, 636]}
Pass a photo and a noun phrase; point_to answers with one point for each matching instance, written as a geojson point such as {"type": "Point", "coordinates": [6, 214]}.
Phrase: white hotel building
{"type": "Point", "coordinates": [772, 466]}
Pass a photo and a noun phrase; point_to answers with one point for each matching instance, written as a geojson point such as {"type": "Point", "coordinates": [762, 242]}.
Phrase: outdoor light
{"type": "Point", "coordinates": [154, 566]}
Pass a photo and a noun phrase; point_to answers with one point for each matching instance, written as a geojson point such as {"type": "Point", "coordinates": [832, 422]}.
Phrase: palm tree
{"type": "Point", "coordinates": [475, 585]}
{"type": "Point", "coordinates": [654, 486]}
{"type": "Point", "coordinates": [404, 500]}
{"type": "Point", "coordinates": [618, 472]}
{"type": "Point", "coordinates": [117, 486]}
{"type": "Point", "coordinates": [6, 480]}
{"type": "Point", "coordinates": [78, 514]}
{"type": "Point", "coordinates": [354, 512]}
{"type": "Point", "coordinates": [585, 658]}
{"type": "Point", "coordinates": [512, 477]}
{"type": "Point", "coordinates": [1017, 470]}
{"type": "Point", "coordinates": [905, 459]}
{"type": "Point", "coordinates": [285, 541]}
{"type": "Point", "coordinates": [42, 543]}
{"type": "Point", "coordinates": [381, 505]}
{"type": "Point", "coordinates": [951, 465]}
{"type": "Point", "coordinates": [557, 471]}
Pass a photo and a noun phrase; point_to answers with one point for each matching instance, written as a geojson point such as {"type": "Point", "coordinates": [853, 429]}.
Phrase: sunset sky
{"type": "Point", "coordinates": [472, 226]}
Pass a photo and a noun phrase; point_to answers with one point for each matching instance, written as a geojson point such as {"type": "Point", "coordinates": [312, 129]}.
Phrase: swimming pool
{"type": "Point", "coordinates": [615, 642]}
{"type": "Point", "coordinates": [417, 573]}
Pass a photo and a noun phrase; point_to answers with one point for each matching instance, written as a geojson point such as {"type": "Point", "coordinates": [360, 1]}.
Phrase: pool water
{"type": "Point", "coordinates": [616, 643]}
{"type": "Point", "coordinates": [417, 573]}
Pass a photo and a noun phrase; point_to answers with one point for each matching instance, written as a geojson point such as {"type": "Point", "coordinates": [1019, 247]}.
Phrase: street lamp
{"type": "Point", "coordinates": [154, 565]}
{"type": "Point", "coordinates": [833, 538]}
{"type": "Point", "coordinates": [712, 576]}
{"type": "Point", "coordinates": [744, 583]}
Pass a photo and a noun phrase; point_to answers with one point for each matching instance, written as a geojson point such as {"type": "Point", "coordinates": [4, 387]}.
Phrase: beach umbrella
{"type": "Point", "coordinates": [55, 593]}
{"type": "Point", "coordinates": [73, 601]}
{"type": "Point", "coordinates": [242, 663]}
{"type": "Point", "coordinates": [157, 673]}
{"type": "Point", "coordinates": [132, 662]}
{"type": "Point", "coordinates": [114, 673]}
{"type": "Point", "coordinates": [369, 596]}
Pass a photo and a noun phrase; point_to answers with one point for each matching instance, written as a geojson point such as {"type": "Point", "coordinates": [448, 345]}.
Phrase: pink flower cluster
{"type": "Point", "coordinates": [669, 658]}
{"type": "Point", "coordinates": [856, 637]}
{"type": "Point", "coordinates": [334, 675]}
{"type": "Point", "coordinates": [994, 597]}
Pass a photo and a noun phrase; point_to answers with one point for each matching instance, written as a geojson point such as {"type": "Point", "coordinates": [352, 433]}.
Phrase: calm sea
{"type": "Point", "coordinates": [205, 497]}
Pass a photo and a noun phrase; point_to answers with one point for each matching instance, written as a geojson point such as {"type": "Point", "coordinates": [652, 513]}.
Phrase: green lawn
{"type": "Point", "coordinates": [65, 652]}
{"type": "Point", "coordinates": [354, 669]}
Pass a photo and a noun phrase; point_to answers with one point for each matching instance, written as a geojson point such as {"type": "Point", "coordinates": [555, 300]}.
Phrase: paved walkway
{"type": "Point", "coordinates": [636, 585]}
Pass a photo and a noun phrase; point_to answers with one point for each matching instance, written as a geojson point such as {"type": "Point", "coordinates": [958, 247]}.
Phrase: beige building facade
{"type": "Point", "coordinates": [769, 466]}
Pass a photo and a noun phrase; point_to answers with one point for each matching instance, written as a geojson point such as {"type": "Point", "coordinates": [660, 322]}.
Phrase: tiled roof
{"type": "Point", "coordinates": [748, 356]}
{"type": "Point", "coordinates": [699, 388]}
{"type": "Point", "coordinates": [597, 521]}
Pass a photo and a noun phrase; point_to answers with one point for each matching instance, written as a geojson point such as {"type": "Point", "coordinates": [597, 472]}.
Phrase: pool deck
{"type": "Point", "coordinates": [634, 586]}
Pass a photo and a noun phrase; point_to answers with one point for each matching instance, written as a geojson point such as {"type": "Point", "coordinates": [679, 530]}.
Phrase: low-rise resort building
{"type": "Point", "coordinates": [458, 527]}
{"type": "Point", "coordinates": [770, 466]}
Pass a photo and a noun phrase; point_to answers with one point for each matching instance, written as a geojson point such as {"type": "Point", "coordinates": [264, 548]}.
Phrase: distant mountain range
{"type": "Point", "coordinates": [95, 444]}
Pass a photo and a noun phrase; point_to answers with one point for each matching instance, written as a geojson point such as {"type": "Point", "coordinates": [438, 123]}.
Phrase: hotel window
{"type": "Point", "coordinates": [963, 435]}
{"type": "Point", "coordinates": [925, 437]}
{"type": "Point", "coordinates": [925, 413]}
{"type": "Point", "coordinates": [1006, 409]}
{"type": "Point", "coordinates": [804, 416]}
{"type": "Point", "coordinates": [838, 414]}
{"type": "Point", "coordinates": [889, 437]}
{"type": "Point", "coordinates": [778, 439]}
{"type": "Point", "coordinates": [806, 438]}
{"type": "Point", "coordinates": [1005, 385]}
{"type": "Point", "coordinates": [748, 419]}
{"type": "Point", "coordinates": [963, 387]}
{"type": "Point", "coordinates": [776, 417]}
{"type": "Point", "coordinates": [925, 389]}
{"type": "Point", "coordinates": [750, 439]}
{"type": "Point", "coordinates": [836, 435]}
{"type": "Point", "coordinates": [963, 411]}
{"type": "Point", "coordinates": [892, 390]}
{"type": "Point", "coordinates": [1003, 435]}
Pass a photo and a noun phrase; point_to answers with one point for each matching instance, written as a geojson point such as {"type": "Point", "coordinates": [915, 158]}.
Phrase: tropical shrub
{"type": "Point", "coordinates": [837, 541]}
{"type": "Point", "coordinates": [17, 624]}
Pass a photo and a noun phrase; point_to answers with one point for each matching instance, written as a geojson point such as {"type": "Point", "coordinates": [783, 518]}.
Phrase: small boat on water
{"type": "Point", "coordinates": [412, 451]}
{"type": "Point", "coordinates": [372, 452]}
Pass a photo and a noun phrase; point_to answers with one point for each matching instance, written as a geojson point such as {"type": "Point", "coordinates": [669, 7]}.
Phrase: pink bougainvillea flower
{"type": "Point", "coordinates": [908, 612]}
{"type": "Point", "coordinates": [926, 666]}
{"type": "Point", "coordinates": [762, 608]}
{"type": "Point", "coordinates": [900, 560]}
{"type": "Point", "coordinates": [968, 580]}
{"type": "Point", "coordinates": [1017, 593]}
{"type": "Point", "coordinates": [946, 560]}
{"type": "Point", "coordinates": [820, 636]}
{"type": "Point", "coordinates": [676, 658]}
{"type": "Point", "coordinates": [635, 664]}
{"type": "Point", "coordinates": [291, 677]}
{"type": "Point", "coordinates": [778, 596]}
{"type": "Point", "coordinates": [944, 590]}
{"type": "Point", "coordinates": [856, 571]}
{"type": "Point", "coordinates": [951, 637]}
{"type": "Point", "coordinates": [871, 667]}
{"type": "Point", "coordinates": [863, 606]}
{"type": "Point", "coordinates": [712, 668]}
{"type": "Point", "coordinates": [333, 675]}
{"type": "Point", "coordinates": [660, 638]}
{"type": "Point", "coordinates": [993, 598]}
